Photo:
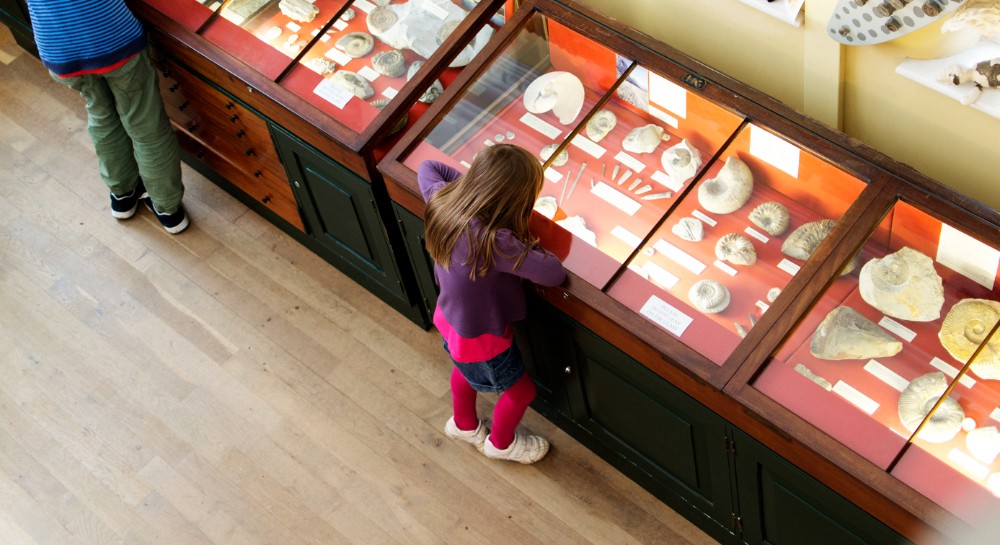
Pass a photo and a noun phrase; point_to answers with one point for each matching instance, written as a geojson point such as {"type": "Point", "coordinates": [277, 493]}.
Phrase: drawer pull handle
{"type": "Point", "coordinates": [183, 106]}
{"type": "Point", "coordinates": [257, 173]}
{"type": "Point", "coordinates": [230, 105]}
{"type": "Point", "coordinates": [249, 152]}
{"type": "Point", "coordinates": [173, 87]}
{"type": "Point", "coordinates": [192, 126]}
{"type": "Point", "coordinates": [200, 154]}
{"type": "Point", "coordinates": [266, 199]}
{"type": "Point", "coordinates": [234, 118]}
{"type": "Point", "coordinates": [240, 133]}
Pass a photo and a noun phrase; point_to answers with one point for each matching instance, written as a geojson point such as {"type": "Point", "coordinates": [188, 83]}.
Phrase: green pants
{"type": "Point", "coordinates": [131, 131]}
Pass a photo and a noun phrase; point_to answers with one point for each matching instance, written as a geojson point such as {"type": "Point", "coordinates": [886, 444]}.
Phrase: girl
{"type": "Point", "coordinates": [477, 234]}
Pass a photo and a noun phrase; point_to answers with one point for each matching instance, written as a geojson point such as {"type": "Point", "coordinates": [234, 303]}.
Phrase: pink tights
{"type": "Point", "coordinates": [507, 413]}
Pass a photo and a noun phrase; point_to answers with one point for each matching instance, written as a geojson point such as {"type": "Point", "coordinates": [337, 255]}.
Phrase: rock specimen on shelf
{"type": "Point", "coordinates": [772, 217]}
{"type": "Point", "coordinates": [709, 296]}
{"type": "Point", "coordinates": [354, 83]}
{"type": "Point", "coordinates": [356, 44]}
{"type": "Point", "coordinates": [773, 294]}
{"type": "Point", "coordinates": [681, 161]}
{"type": "Point", "coordinates": [690, 229]}
{"type": "Point", "coordinates": [903, 285]}
{"type": "Point", "coordinates": [847, 335]}
{"type": "Point", "coordinates": [577, 226]}
{"type": "Point", "coordinates": [984, 74]}
{"type": "Point", "coordinates": [302, 11]}
{"type": "Point", "coordinates": [389, 63]}
{"type": "Point", "coordinates": [432, 92]}
{"type": "Point", "coordinates": [600, 125]}
{"type": "Point", "coordinates": [422, 25]}
{"type": "Point", "coordinates": [729, 190]}
{"type": "Point", "coordinates": [984, 444]}
{"type": "Point", "coordinates": [736, 249]}
{"type": "Point", "coordinates": [806, 372]}
{"type": "Point", "coordinates": [916, 401]}
{"type": "Point", "coordinates": [806, 238]}
{"type": "Point", "coordinates": [965, 328]}
{"type": "Point", "coordinates": [546, 206]}
{"type": "Point", "coordinates": [382, 18]}
{"type": "Point", "coordinates": [561, 92]}
{"type": "Point", "coordinates": [644, 139]}
{"type": "Point", "coordinates": [561, 159]}
{"type": "Point", "coordinates": [348, 15]}
{"type": "Point", "coordinates": [322, 66]}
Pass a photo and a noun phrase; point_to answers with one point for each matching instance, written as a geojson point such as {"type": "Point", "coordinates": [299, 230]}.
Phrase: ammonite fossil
{"type": "Point", "coordinates": [903, 285]}
{"type": "Point", "coordinates": [644, 139]}
{"type": "Point", "coordinates": [601, 124]}
{"type": "Point", "coordinates": [916, 401]}
{"type": "Point", "coordinates": [298, 10]}
{"type": "Point", "coordinates": [560, 159]}
{"type": "Point", "coordinates": [356, 44]}
{"type": "Point", "coordinates": [772, 217]}
{"type": "Point", "coordinates": [433, 91]}
{"type": "Point", "coordinates": [382, 19]}
{"type": "Point", "coordinates": [681, 161]}
{"type": "Point", "coordinates": [709, 296]}
{"type": "Point", "coordinates": [561, 92]}
{"type": "Point", "coordinates": [354, 83]}
{"type": "Point", "coordinates": [736, 249]}
{"type": "Point", "coordinates": [389, 63]}
{"type": "Point", "coordinates": [690, 229]}
{"type": "Point", "coordinates": [806, 238]}
{"type": "Point", "coordinates": [965, 328]}
{"type": "Point", "coordinates": [845, 334]}
{"type": "Point", "coordinates": [729, 190]}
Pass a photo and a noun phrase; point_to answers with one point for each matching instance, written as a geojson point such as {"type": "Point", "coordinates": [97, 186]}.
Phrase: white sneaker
{"type": "Point", "coordinates": [525, 449]}
{"type": "Point", "coordinates": [474, 437]}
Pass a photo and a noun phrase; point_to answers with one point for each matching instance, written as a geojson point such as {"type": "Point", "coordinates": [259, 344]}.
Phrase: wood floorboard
{"type": "Point", "coordinates": [228, 386]}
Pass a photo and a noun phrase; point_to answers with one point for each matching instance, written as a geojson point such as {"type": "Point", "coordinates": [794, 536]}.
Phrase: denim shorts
{"type": "Point", "coordinates": [496, 374]}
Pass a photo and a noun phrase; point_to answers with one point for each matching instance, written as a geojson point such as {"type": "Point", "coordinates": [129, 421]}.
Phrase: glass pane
{"type": "Point", "coordinates": [268, 34]}
{"type": "Point", "coordinates": [191, 14]}
{"type": "Point", "coordinates": [887, 332]}
{"type": "Point", "coordinates": [367, 55]}
{"type": "Point", "coordinates": [735, 240]}
{"type": "Point", "coordinates": [542, 88]}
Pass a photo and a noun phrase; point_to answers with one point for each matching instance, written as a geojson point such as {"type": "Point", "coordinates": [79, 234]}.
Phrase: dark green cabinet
{"type": "Point", "coordinates": [342, 217]}
{"type": "Point", "coordinates": [14, 14]}
{"type": "Point", "coordinates": [412, 229]}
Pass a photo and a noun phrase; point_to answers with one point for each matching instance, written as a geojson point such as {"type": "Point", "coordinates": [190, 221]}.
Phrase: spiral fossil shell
{"type": "Point", "coordinates": [729, 190]}
{"type": "Point", "coordinates": [916, 401]}
{"type": "Point", "coordinates": [433, 91]}
{"type": "Point", "coordinates": [903, 285]}
{"type": "Point", "coordinates": [382, 19]}
{"type": "Point", "coordinates": [772, 217]}
{"type": "Point", "coordinates": [736, 249]}
{"type": "Point", "coordinates": [354, 83]}
{"type": "Point", "coordinates": [601, 124]}
{"type": "Point", "coordinates": [806, 238]}
{"type": "Point", "coordinates": [561, 92]}
{"type": "Point", "coordinates": [681, 161]}
{"type": "Point", "coordinates": [709, 296]}
{"type": "Point", "coordinates": [560, 159]}
{"type": "Point", "coordinates": [356, 44]}
{"type": "Point", "coordinates": [690, 229]}
{"type": "Point", "coordinates": [644, 139]}
{"type": "Point", "coordinates": [845, 334]}
{"type": "Point", "coordinates": [965, 328]}
{"type": "Point", "coordinates": [389, 63]}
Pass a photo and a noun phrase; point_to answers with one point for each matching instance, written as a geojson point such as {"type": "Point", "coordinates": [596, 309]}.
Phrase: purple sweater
{"type": "Point", "coordinates": [489, 303]}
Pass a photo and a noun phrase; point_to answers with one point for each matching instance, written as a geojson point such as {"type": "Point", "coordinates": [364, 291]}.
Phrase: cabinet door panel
{"type": "Point", "coordinates": [421, 263]}
{"type": "Point", "coordinates": [341, 205]}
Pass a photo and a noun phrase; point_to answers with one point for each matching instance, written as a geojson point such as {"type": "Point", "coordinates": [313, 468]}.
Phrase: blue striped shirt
{"type": "Point", "coordinates": [76, 36]}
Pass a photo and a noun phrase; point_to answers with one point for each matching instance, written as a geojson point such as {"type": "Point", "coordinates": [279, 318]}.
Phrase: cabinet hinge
{"type": "Point", "coordinates": [737, 524]}
{"type": "Point", "coordinates": [730, 447]}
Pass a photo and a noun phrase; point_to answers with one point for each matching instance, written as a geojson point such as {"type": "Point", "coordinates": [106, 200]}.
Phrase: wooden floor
{"type": "Point", "coordinates": [227, 386]}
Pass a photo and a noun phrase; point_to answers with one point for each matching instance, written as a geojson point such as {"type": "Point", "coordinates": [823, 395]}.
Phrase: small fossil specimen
{"type": "Point", "coordinates": [847, 335]}
{"type": "Point", "coordinates": [736, 249]}
{"type": "Point", "coordinates": [356, 44]}
{"type": "Point", "coordinates": [709, 296]}
{"type": "Point", "coordinates": [690, 229]}
{"type": "Point", "coordinates": [601, 124]}
{"type": "Point", "coordinates": [644, 139]}
{"type": "Point", "coordinates": [772, 217]}
{"type": "Point", "coordinates": [729, 190]}
{"type": "Point", "coordinates": [916, 401]}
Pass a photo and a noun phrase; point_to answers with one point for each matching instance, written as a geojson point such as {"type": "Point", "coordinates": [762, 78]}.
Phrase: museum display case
{"type": "Point", "coordinates": [789, 217]}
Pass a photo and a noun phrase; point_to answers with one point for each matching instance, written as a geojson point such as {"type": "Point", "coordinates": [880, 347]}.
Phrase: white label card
{"type": "Point", "coordinates": [886, 375]}
{"type": "Point", "coordinates": [626, 236]}
{"type": "Point", "coordinates": [722, 266]}
{"type": "Point", "coordinates": [364, 5]}
{"type": "Point", "coordinates": [550, 173]}
{"type": "Point", "coordinates": [539, 125]}
{"type": "Point", "coordinates": [899, 329]}
{"type": "Point", "coordinates": [762, 306]}
{"type": "Point", "coordinates": [788, 267]}
{"type": "Point", "coordinates": [660, 275]}
{"type": "Point", "coordinates": [757, 234]}
{"type": "Point", "coordinates": [856, 398]}
{"type": "Point", "coordinates": [995, 414]}
{"type": "Point", "coordinates": [679, 256]}
{"type": "Point", "coordinates": [952, 372]}
{"type": "Point", "coordinates": [616, 198]}
{"type": "Point", "coordinates": [968, 256]}
{"type": "Point", "coordinates": [968, 464]}
{"type": "Point", "coordinates": [663, 116]}
{"type": "Point", "coordinates": [340, 24]}
{"type": "Point", "coordinates": [333, 93]}
{"type": "Point", "coordinates": [435, 10]}
{"type": "Point", "coordinates": [293, 26]}
{"type": "Point", "coordinates": [588, 146]}
{"type": "Point", "coordinates": [338, 56]}
{"type": "Point", "coordinates": [368, 73]}
{"type": "Point", "coordinates": [390, 92]}
{"type": "Point", "coordinates": [704, 217]}
{"type": "Point", "coordinates": [631, 162]}
{"type": "Point", "coordinates": [774, 150]}
{"type": "Point", "coordinates": [665, 315]}
{"type": "Point", "coordinates": [668, 95]}
{"type": "Point", "coordinates": [663, 178]}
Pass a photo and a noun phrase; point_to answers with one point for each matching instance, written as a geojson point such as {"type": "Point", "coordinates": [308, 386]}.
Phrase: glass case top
{"type": "Point", "coordinates": [884, 342]}
{"type": "Point", "coordinates": [605, 129]}
{"type": "Point", "coordinates": [728, 248]}
{"type": "Point", "coordinates": [269, 34]}
{"type": "Point", "coordinates": [363, 59]}
{"type": "Point", "coordinates": [191, 14]}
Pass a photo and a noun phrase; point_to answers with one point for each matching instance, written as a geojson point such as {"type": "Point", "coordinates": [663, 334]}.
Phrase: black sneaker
{"type": "Point", "coordinates": [173, 223]}
{"type": "Point", "coordinates": [123, 207]}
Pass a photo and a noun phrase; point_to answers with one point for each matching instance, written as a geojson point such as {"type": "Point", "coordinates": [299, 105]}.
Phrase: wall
{"type": "Point", "coordinates": [854, 89]}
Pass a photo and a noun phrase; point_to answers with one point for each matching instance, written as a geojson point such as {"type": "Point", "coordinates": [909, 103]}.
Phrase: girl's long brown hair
{"type": "Point", "coordinates": [499, 191]}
